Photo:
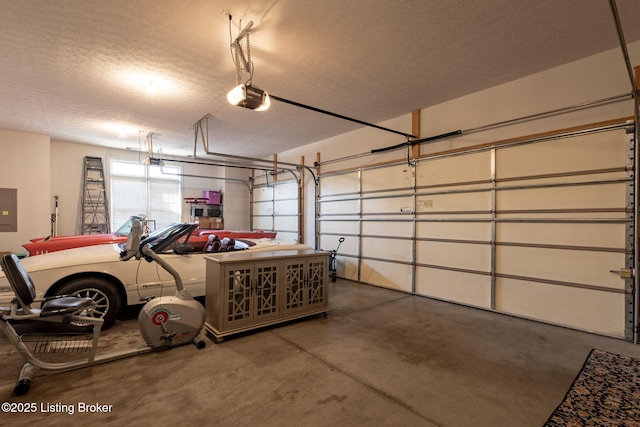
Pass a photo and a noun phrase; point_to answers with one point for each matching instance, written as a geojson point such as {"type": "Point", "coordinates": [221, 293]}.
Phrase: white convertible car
{"type": "Point", "coordinates": [98, 272]}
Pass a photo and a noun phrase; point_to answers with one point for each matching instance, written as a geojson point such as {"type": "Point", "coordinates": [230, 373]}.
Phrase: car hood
{"type": "Point", "coordinates": [51, 244]}
{"type": "Point", "coordinates": [71, 257]}
{"type": "Point", "coordinates": [87, 237]}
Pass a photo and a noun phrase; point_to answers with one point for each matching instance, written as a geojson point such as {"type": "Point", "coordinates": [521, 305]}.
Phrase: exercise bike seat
{"type": "Point", "coordinates": [65, 304]}
{"type": "Point", "coordinates": [25, 291]}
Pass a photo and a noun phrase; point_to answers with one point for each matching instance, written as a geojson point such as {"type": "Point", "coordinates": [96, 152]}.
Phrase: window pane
{"type": "Point", "coordinates": [128, 197]}
{"type": "Point", "coordinates": [127, 169]}
{"type": "Point", "coordinates": [141, 189]}
{"type": "Point", "coordinates": [164, 202]}
{"type": "Point", "coordinates": [165, 172]}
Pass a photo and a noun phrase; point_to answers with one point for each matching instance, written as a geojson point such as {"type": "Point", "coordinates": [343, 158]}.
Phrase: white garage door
{"type": "Point", "coordinates": [276, 207]}
{"type": "Point", "coordinates": [541, 230]}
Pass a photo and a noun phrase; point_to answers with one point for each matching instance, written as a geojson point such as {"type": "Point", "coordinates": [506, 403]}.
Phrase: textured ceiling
{"type": "Point", "coordinates": [69, 68]}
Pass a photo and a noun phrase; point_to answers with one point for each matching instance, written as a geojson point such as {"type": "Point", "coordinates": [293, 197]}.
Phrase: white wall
{"type": "Point", "coordinates": [236, 200]}
{"type": "Point", "coordinates": [24, 165]}
{"type": "Point", "coordinates": [67, 168]}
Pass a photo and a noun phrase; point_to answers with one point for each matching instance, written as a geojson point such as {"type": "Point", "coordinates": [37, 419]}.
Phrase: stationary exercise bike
{"type": "Point", "coordinates": [63, 326]}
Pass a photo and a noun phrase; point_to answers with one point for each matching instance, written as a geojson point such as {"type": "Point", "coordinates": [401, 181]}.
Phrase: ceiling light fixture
{"type": "Point", "coordinates": [245, 94]}
{"type": "Point", "coordinates": [250, 97]}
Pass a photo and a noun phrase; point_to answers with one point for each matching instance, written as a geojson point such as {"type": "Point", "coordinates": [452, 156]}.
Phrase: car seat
{"type": "Point", "coordinates": [213, 244]}
{"type": "Point", "coordinates": [228, 244]}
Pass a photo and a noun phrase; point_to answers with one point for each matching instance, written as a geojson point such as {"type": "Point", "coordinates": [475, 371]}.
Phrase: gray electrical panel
{"type": "Point", "coordinates": [8, 209]}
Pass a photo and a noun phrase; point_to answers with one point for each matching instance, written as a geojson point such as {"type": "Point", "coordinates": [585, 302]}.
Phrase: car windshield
{"type": "Point", "coordinates": [167, 238]}
{"type": "Point", "coordinates": [125, 228]}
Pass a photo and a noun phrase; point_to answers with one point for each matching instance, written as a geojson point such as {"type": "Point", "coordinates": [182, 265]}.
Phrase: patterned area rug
{"type": "Point", "coordinates": [606, 392]}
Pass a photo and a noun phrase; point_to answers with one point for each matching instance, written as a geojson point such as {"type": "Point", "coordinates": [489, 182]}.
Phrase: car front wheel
{"type": "Point", "coordinates": [102, 292]}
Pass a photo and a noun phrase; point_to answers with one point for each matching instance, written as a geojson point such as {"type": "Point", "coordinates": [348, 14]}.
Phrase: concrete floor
{"type": "Point", "coordinates": [379, 358]}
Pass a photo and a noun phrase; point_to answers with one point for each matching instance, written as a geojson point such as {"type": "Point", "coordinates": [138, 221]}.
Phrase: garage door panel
{"type": "Point", "coordinates": [330, 242]}
{"type": "Point", "coordinates": [347, 268]}
{"type": "Point", "coordinates": [350, 246]}
{"type": "Point", "coordinates": [286, 191]}
{"type": "Point", "coordinates": [458, 169]}
{"type": "Point", "coordinates": [288, 236]}
{"type": "Point", "coordinates": [610, 196]}
{"type": "Point", "coordinates": [479, 231]}
{"type": "Point", "coordinates": [589, 234]}
{"type": "Point", "coordinates": [340, 184]}
{"type": "Point", "coordinates": [390, 249]}
{"type": "Point", "coordinates": [573, 266]}
{"type": "Point", "coordinates": [263, 208]}
{"type": "Point", "coordinates": [615, 214]}
{"type": "Point", "coordinates": [465, 288]}
{"type": "Point", "coordinates": [454, 255]}
{"type": "Point", "coordinates": [588, 152]}
{"type": "Point", "coordinates": [342, 207]}
{"type": "Point", "coordinates": [286, 223]}
{"type": "Point", "coordinates": [263, 194]}
{"type": "Point", "coordinates": [339, 227]}
{"type": "Point", "coordinates": [393, 205]}
{"type": "Point", "coordinates": [262, 223]}
{"type": "Point", "coordinates": [387, 274]}
{"type": "Point", "coordinates": [591, 310]}
{"type": "Point", "coordinates": [387, 228]}
{"type": "Point", "coordinates": [586, 178]}
{"type": "Point", "coordinates": [286, 207]}
{"type": "Point", "coordinates": [392, 177]}
{"type": "Point", "coordinates": [452, 203]}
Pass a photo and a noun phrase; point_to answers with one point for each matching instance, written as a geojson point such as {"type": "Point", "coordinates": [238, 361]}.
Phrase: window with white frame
{"type": "Point", "coordinates": [144, 189]}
